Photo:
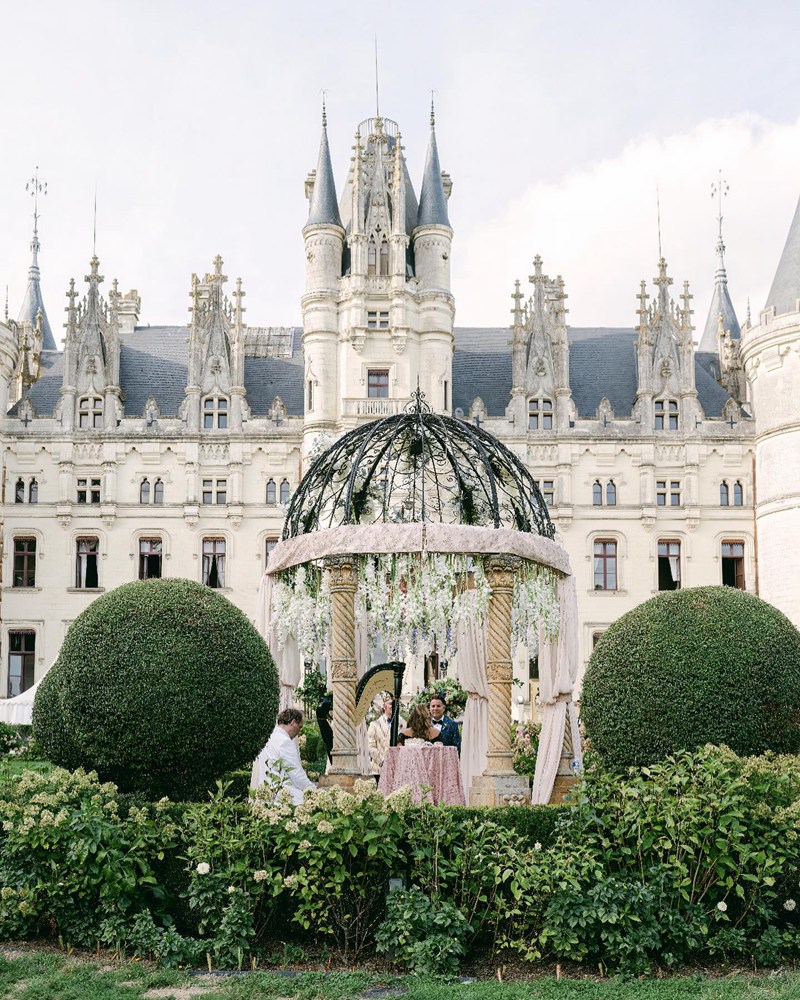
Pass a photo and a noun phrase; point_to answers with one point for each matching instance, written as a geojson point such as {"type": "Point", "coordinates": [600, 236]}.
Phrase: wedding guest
{"type": "Point", "coordinates": [448, 728]}
{"type": "Point", "coordinates": [379, 733]}
{"type": "Point", "coordinates": [280, 758]}
{"type": "Point", "coordinates": [419, 727]}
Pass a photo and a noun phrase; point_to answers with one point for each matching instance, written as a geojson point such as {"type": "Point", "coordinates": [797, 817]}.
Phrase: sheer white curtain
{"type": "Point", "coordinates": [287, 660]}
{"type": "Point", "coordinates": [362, 665]}
{"type": "Point", "coordinates": [471, 661]}
{"type": "Point", "coordinates": [558, 668]}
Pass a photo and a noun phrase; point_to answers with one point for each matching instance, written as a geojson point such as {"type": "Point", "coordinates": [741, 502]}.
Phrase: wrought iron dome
{"type": "Point", "coordinates": [417, 466]}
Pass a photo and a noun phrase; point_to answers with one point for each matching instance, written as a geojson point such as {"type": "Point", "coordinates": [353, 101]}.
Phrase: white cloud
{"type": "Point", "coordinates": [597, 225]}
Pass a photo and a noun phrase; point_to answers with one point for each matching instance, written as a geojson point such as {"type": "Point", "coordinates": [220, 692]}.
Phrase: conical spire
{"type": "Point", "coordinates": [721, 306]}
{"type": "Point", "coordinates": [432, 200]}
{"type": "Point", "coordinates": [324, 209]}
{"type": "Point", "coordinates": [33, 303]}
{"type": "Point", "coordinates": [785, 289]}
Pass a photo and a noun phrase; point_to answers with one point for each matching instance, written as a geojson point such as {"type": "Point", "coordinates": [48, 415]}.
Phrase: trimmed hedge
{"type": "Point", "coordinates": [160, 686]}
{"type": "Point", "coordinates": [690, 667]}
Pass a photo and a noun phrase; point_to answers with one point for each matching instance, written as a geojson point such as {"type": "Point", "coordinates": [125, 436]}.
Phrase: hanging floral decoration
{"type": "Point", "coordinates": [411, 602]}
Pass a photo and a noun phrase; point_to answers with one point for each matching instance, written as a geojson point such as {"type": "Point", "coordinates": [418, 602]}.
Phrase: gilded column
{"type": "Point", "coordinates": [500, 572]}
{"type": "Point", "coordinates": [344, 582]}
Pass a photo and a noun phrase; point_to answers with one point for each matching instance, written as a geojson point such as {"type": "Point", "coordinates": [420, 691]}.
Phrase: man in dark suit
{"type": "Point", "coordinates": [451, 735]}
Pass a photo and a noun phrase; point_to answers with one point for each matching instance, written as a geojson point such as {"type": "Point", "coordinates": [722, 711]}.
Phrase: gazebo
{"type": "Point", "coordinates": [420, 531]}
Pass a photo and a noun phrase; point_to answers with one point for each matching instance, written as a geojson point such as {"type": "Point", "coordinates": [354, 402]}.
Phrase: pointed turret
{"type": "Point", "coordinates": [324, 209]}
{"type": "Point", "coordinates": [721, 305]}
{"type": "Point", "coordinates": [432, 198]}
{"type": "Point", "coordinates": [33, 302]}
{"type": "Point", "coordinates": [785, 289]}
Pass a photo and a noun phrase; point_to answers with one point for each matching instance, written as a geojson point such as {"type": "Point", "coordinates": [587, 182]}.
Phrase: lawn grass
{"type": "Point", "coordinates": [42, 975]}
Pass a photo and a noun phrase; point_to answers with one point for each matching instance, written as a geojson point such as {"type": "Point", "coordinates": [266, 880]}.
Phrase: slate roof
{"type": "Point", "coordinates": [323, 208]}
{"type": "Point", "coordinates": [720, 304]}
{"type": "Point", "coordinates": [785, 289]}
{"type": "Point", "coordinates": [602, 363]}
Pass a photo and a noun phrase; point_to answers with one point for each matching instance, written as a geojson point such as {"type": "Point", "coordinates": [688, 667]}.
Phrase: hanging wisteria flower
{"type": "Point", "coordinates": [203, 868]}
{"type": "Point", "coordinates": [789, 905]}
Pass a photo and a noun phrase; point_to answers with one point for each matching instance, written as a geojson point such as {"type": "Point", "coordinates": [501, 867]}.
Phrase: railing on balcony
{"type": "Point", "coordinates": [372, 407]}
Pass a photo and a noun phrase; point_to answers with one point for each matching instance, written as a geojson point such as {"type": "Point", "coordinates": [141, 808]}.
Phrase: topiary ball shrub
{"type": "Point", "coordinates": [160, 686]}
{"type": "Point", "coordinates": [690, 667]}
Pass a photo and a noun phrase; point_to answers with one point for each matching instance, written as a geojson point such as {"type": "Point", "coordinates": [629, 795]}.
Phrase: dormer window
{"type": "Point", "coordinates": [377, 256]}
{"type": "Point", "coordinates": [90, 412]}
{"type": "Point", "coordinates": [666, 415]}
{"type": "Point", "coordinates": [215, 413]}
{"type": "Point", "coordinates": [540, 414]}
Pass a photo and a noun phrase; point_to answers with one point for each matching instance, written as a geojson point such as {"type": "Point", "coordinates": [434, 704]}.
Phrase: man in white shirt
{"type": "Point", "coordinates": [280, 758]}
{"type": "Point", "coordinates": [379, 733]}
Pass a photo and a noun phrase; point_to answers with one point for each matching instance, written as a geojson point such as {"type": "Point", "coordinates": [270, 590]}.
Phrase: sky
{"type": "Point", "coordinates": [197, 124]}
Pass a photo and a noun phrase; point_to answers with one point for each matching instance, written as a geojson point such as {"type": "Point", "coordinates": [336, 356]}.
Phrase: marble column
{"type": "Point", "coordinates": [343, 575]}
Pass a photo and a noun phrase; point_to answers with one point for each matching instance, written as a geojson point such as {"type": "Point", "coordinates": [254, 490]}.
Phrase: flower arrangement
{"type": "Point", "coordinates": [524, 746]}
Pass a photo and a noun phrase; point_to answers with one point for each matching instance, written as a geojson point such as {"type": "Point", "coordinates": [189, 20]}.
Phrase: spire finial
{"type": "Point", "coordinates": [748, 310]}
{"type": "Point", "coordinates": [94, 223]}
{"type": "Point", "coordinates": [719, 190]}
{"type": "Point", "coordinates": [658, 215]}
{"type": "Point", "coordinates": [35, 187]}
{"type": "Point", "coordinates": [433, 110]}
{"type": "Point", "coordinates": [377, 100]}
{"type": "Point", "coordinates": [324, 111]}
{"type": "Point", "coordinates": [6, 303]}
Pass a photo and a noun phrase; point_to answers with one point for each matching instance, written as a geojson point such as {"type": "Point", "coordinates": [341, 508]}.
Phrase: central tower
{"type": "Point", "coordinates": [377, 311]}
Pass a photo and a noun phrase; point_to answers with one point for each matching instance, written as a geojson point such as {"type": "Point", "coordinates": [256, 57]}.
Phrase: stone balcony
{"type": "Point", "coordinates": [372, 407]}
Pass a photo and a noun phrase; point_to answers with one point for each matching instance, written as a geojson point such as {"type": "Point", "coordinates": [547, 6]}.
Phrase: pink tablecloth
{"type": "Point", "coordinates": [434, 766]}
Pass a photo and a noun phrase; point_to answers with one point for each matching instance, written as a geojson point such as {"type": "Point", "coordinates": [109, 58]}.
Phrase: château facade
{"type": "Point", "coordinates": [141, 451]}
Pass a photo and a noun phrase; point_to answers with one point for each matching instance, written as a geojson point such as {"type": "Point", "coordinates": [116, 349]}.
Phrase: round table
{"type": "Point", "coordinates": [432, 771]}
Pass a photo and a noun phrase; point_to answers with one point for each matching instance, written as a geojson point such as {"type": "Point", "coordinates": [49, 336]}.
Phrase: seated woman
{"type": "Point", "coordinates": [419, 727]}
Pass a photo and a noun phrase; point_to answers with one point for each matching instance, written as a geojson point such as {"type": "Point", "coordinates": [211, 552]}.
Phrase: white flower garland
{"type": "Point", "coordinates": [411, 602]}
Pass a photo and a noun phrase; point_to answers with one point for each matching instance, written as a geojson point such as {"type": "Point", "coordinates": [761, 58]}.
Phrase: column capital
{"type": "Point", "coordinates": [501, 570]}
{"type": "Point", "coordinates": [343, 572]}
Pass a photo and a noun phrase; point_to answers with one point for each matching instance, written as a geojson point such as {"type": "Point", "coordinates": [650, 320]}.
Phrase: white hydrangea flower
{"type": "Point", "coordinates": [203, 868]}
{"type": "Point", "coordinates": [789, 905]}
{"type": "Point", "coordinates": [722, 906]}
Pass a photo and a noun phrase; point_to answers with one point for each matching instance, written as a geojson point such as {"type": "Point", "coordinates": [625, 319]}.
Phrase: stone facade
{"type": "Point", "coordinates": [165, 450]}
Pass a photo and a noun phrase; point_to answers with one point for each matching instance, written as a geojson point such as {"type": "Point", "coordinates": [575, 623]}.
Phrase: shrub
{"type": "Point", "coordinates": [426, 935]}
{"type": "Point", "coordinates": [10, 739]}
{"type": "Point", "coordinates": [689, 667]}
{"type": "Point", "coordinates": [161, 686]}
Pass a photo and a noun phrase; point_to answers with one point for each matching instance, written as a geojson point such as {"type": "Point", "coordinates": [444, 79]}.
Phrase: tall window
{"type": "Point", "coordinates": [90, 412]}
{"type": "Point", "coordinates": [445, 395]}
{"type": "Point", "coordinates": [158, 492]}
{"type": "Point", "coordinates": [668, 492]}
{"type": "Point", "coordinates": [597, 493]}
{"type": "Point", "coordinates": [21, 661]}
{"type": "Point", "coordinates": [88, 491]}
{"type": "Point", "coordinates": [666, 415]}
{"type": "Point", "coordinates": [611, 494]}
{"type": "Point", "coordinates": [605, 564]}
{"type": "Point", "coordinates": [19, 491]}
{"type": "Point", "coordinates": [285, 491]}
{"type": "Point", "coordinates": [738, 494]}
{"type": "Point", "coordinates": [669, 565]}
{"type": "Point", "coordinates": [24, 562]}
{"type": "Point", "coordinates": [540, 414]}
{"type": "Point", "coordinates": [269, 545]}
{"type": "Point", "coordinates": [33, 492]}
{"type": "Point", "coordinates": [733, 564]}
{"type": "Point", "coordinates": [378, 383]}
{"type": "Point", "coordinates": [272, 495]}
{"type": "Point", "coordinates": [310, 397]}
{"type": "Point", "coordinates": [377, 256]}
{"type": "Point", "coordinates": [724, 494]}
{"type": "Point", "coordinates": [214, 562]}
{"type": "Point", "coordinates": [215, 413]}
{"type": "Point", "coordinates": [144, 491]}
{"type": "Point", "coordinates": [547, 487]}
{"type": "Point", "coordinates": [149, 558]}
{"type": "Point", "coordinates": [86, 563]}
{"type": "Point", "coordinates": [215, 491]}
{"type": "Point", "coordinates": [378, 319]}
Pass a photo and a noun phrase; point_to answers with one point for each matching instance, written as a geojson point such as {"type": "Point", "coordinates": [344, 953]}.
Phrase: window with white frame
{"type": "Point", "coordinates": [669, 564]}
{"type": "Point", "coordinates": [286, 491]}
{"type": "Point", "coordinates": [547, 487]}
{"type": "Point", "coordinates": [378, 319]}
{"type": "Point", "coordinates": [732, 553]}
{"type": "Point", "coordinates": [88, 490]}
{"type": "Point", "coordinates": [90, 412]}
{"type": "Point", "coordinates": [666, 415]}
{"type": "Point", "coordinates": [724, 494]}
{"type": "Point", "coordinates": [378, 383]}
{"type": "Point", "coordinates": [24, 572]}
{"type": "Point", "coordinates": [668, 492]}
{"type": "Point", "coordinates": [158, 492]}
{"type": "Point", "coordinates": [540, 414]}
{"type": "Point", "coordinates": [150, 552]}
{"type": "Point", "coordinates": [215, 413]}
{"type": "Point", "coordinates": [215, 491]}
{"type": "Point", "coordinates": [738, 494]}
{"type": "Point", "coordinates": [272, 492]}
{"type": "Point", "coordinates": [269, 545]}
{"type": "Point", "coordinates": [86, 563]}
{"type": "Point", "coordinates": [214, 562]}
{"type": "Point", "coordinates": [605, 564]}
{"type": "Point", "coordinates": [21, 661]}
{"type": "Point", "coordinates": [144, 491]}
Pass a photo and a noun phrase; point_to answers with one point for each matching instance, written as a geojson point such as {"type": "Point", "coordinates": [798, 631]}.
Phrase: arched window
{"type": "Point", "coordinates": [372, 256]}
{"type": "Point", "coordinates": [285, 491]}
{"type": "Point", "coordinates": [90, 412]}
{"type": "Point", "coordinates": [611, 493]}
{"type": "Point", "coordinates": [724, 494]}
{"type": "Point", "coordinates": [597, 493]}
{"type": "Point", "coordinates": [144, 491]}
{"type": "Point", "coordinates": [33, 492]}
{"type": "Point", "coordinates": [384, 261]}
{"type": "Point", "coordinates": [215, 413]}
{"type": "Point", "coordinates": [738, 494]}
{"type": "Point", "coordinates": [19, 491]}
{"type": "Point", "coordinates": [158, 492]}
{"type": "Point", "coordinates": [272, 496]}
{"type": "Point", "coordinates": [540, 414]}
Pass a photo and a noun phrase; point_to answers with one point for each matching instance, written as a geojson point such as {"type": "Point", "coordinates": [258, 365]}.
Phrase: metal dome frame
{"type": "Point", "coordinates": [417, 466]}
